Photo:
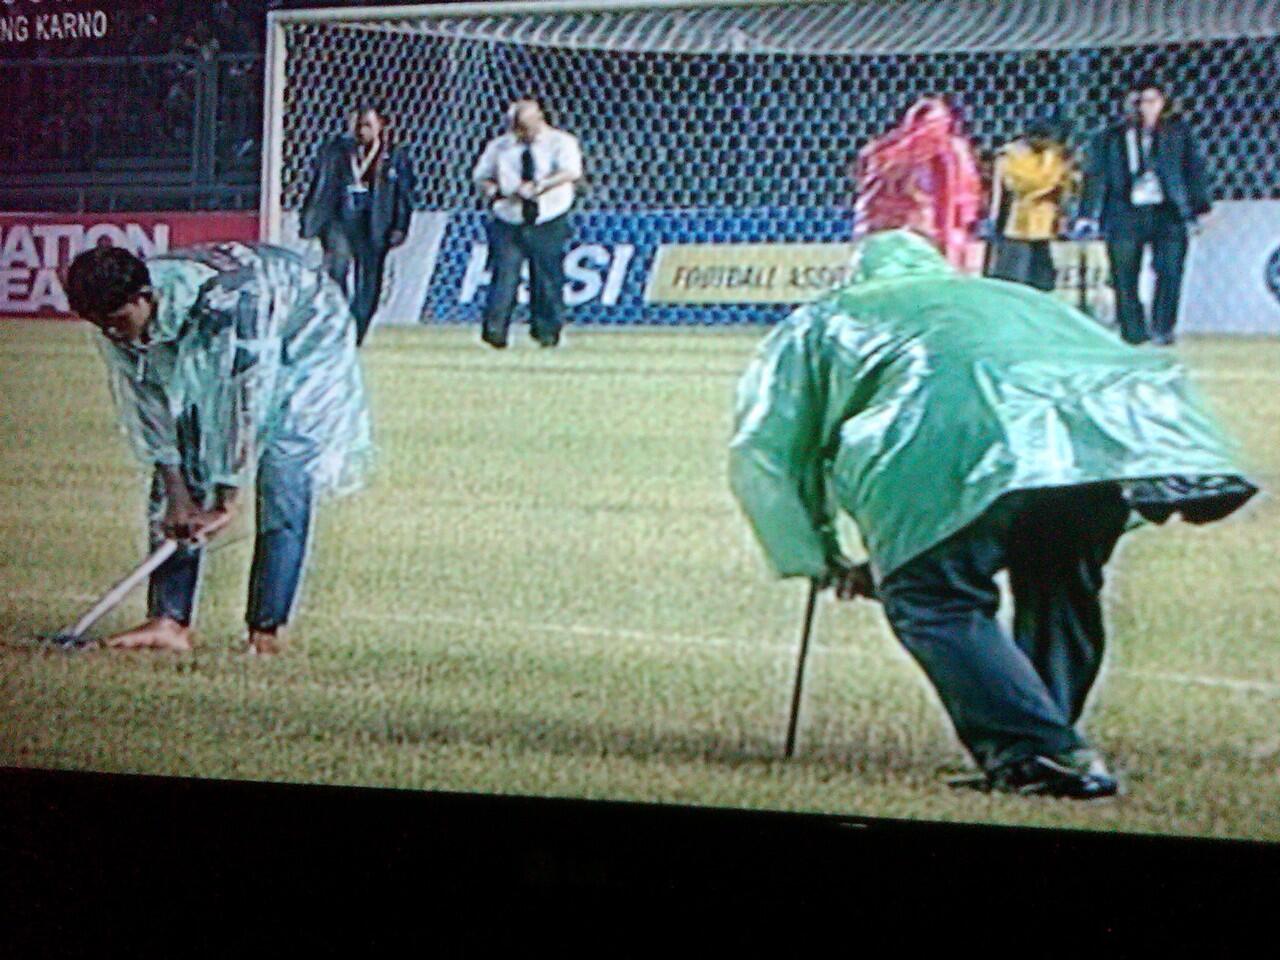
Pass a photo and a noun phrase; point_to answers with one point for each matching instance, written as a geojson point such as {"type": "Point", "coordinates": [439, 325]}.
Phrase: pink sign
{"type": "Point", "coordinates": [35, 248]}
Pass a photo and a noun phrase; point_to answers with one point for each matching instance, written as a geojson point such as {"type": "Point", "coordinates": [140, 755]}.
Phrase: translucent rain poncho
{"type": "Point", "coordinates": [251, 354]}
{"type": "Point", "coordinates": [914, 397]}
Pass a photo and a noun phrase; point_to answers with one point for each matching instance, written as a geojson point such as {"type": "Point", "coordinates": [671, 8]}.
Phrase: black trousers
{"type": "Point", "coordinates": [543, 245]}
{"type": "Point", "coordinates": [347, 243]}
{"type": "Point", "coordinates": [1160, 227]}
{"type": "Point", "coordinates": [1013, 697]}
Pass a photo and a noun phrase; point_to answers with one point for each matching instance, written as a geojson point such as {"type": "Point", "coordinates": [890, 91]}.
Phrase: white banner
{"type": "Point", "coordinates": [408, 270]}
{"type": "Point", "coordinates": [1232, 280]}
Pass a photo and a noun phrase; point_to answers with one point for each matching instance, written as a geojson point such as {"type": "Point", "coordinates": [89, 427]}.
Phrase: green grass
{"type": "Point", "coordinates": [548, 590]}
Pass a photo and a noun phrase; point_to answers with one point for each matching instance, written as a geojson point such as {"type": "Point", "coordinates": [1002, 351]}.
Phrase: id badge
{"type": "Point", "coordinates": [1146, 191]}
{"type": "Point", "coordinates": [357, 198]}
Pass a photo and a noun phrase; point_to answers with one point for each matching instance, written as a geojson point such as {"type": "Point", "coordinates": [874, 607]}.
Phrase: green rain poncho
{"type": "Point", "coordinates": [914, 397]}
{"type": "Point", "coordinates": [251, 353]}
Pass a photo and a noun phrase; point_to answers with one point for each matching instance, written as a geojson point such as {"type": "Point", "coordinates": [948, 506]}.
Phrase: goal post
{"type": "Point", "coordinates": [719, 136]}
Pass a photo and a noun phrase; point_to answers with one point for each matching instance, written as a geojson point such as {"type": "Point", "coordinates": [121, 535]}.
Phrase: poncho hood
{"type": "Point", "coordinates": [895, 254]}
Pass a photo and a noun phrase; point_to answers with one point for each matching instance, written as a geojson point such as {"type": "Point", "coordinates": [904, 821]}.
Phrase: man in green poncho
{"type": "Point", "coordinates": [228, 363]}
{"type": "Point", "coordinates": [968, 426]}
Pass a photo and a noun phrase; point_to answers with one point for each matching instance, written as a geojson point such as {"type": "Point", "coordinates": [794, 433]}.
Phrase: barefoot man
{"type": "Point", "coordinates": [229, 364]}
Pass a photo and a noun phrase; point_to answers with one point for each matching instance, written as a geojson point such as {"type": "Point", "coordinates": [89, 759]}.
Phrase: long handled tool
{"type": "Point", "coordinates": [804, 654]}
{"type": "Point", "coordinates": [72, 638]}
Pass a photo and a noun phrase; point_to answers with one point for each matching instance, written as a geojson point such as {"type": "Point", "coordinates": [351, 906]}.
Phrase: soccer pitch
{"type": "Point", "coordinates": [547, 589]}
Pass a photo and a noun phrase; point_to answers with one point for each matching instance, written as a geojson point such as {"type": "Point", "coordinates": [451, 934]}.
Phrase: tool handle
{"type": "Point", "coordinates": [798, 691]}
{"type": "Point", "coordinates": [117, 593]}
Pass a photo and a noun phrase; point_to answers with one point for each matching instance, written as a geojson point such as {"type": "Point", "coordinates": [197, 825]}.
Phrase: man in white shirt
{"type": "Point", "coordinates": [528, 175]}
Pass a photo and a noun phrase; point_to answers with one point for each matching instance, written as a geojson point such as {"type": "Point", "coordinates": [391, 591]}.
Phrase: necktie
{"type": "Point", "coordinates": [529, 208]}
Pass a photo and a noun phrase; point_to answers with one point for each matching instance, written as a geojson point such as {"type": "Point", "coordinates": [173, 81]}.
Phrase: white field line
{"type": "Point", "coordinates": [665, 639]}
{"type": "Point", "coordinates": [698, 640]}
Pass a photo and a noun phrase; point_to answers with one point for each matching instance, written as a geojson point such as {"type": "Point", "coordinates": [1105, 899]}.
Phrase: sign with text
{"type": "Point", "coordinates": [35, 248]}
{"type": "Point", "coordinates": [30, 22]}
{"type": "Point", "coordinates": [746, 272]}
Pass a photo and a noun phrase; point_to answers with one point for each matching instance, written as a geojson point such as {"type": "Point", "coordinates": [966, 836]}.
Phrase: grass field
{"type": "Point", "coordinates": [548, 590]}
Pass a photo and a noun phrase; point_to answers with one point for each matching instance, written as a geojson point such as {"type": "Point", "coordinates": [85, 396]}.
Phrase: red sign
{"type": "Point", "coordinates": [36, 247]}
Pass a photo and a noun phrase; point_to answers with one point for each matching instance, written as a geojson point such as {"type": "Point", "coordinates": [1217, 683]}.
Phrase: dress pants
{"type": "Point", "coordinates": [1025, 261]}
{"type": "Point", "coordinates": [1161, 227]}
{"type": "Point", "coordinates": [1011, 698]}
{"type": "Point", "coordinates": [349, 243]}
{"type": "Point", "coordinates": [543, 245]}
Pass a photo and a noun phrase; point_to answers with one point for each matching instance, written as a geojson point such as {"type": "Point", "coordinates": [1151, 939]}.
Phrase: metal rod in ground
{"type": "Point", "coordinates": [809, 609]}
{"type": "Point", "coordinates": [112, 597]}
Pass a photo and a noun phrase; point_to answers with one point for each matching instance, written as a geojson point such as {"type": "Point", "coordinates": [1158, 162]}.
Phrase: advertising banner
{"type": "Point", "coordinates": [1233, 271]}
{"type": "Point", "coordinates": [639, 268]}
{"type": "Point", "coordinates": [746, 272]}
{"type": "Point", "coordinates": [621, 266]}
{"type": "Point", "coordinates": [35, 248]}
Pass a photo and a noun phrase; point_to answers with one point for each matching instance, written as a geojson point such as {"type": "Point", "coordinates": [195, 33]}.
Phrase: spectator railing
{"type": "Point", "coordinates": [128, 132]}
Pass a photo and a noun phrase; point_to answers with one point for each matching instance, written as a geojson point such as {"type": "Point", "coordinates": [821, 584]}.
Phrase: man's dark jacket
{"type": "Point", "coordinates": [1176, 160]}
{"type": "Point", "coordinates": [391, 200]}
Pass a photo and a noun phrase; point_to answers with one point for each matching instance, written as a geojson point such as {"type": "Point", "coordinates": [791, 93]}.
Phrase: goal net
{"type": "Point", "coordinates": [730, 129]}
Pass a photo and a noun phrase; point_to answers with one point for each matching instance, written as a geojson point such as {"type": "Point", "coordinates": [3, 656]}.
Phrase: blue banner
{"type": "Point", "coordinates": [609, 258]}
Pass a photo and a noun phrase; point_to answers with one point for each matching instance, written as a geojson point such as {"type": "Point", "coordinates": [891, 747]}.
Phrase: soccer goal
{"type": "Point", "coordinates": [721, 135]}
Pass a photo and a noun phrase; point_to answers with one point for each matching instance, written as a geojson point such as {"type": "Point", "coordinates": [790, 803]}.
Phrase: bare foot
{"type": "Point", "coordinates": [160, 633]}
{"type": "Point", "coordinates": [266, 643]}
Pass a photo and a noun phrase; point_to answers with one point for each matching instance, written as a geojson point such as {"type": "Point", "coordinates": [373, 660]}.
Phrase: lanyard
{"type": "Point", "coordinates": [359, 167]}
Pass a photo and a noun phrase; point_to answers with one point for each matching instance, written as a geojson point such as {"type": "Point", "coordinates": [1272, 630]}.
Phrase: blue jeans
{"type": "Point", "coordinates": [284, 505]}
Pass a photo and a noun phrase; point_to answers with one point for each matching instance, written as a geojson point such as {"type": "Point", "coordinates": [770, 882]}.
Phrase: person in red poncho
{"type": "Point", "coordinates": [921, 175]}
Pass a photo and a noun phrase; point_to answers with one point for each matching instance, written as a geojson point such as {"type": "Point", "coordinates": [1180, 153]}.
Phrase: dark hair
{"type": "Point", "coordinates": [102, 280]}
{"type": "Point", "coordinates": [1045, 125]}
{"type": "Point", "coordinates": [1148, 82]}
{"type": "Point", "coordinates": [371, 106]}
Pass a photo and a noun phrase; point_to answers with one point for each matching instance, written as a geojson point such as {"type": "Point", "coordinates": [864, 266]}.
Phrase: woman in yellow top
{"type": "Point", "coordinates": [1035, 173]}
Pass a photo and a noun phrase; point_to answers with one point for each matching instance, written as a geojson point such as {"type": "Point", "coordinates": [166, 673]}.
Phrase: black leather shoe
{"type": "Point", "coordinates": [493, 342]}
{"type": "Point", "coordinates": [1079, 775]}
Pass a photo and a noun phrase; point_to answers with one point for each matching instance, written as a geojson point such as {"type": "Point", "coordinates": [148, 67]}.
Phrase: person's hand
{"type": "Point", "coordinates": [1085, 228]}
{"type": "Point", "coordinates": [206, 524]}
{"type": "Point", "coordinates": [490, 189]}
{"type": "Point", "coordinates": [185, 520]}
{"type": "Point", "coordinates": [395, 238]}
{"type": "Point", "coordinates": [527, 190]}
{"type": "Point", "coordinates": [851, 581]}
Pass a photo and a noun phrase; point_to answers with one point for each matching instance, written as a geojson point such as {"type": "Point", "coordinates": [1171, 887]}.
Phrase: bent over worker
{"type": "Point", "coordinates": [970, 426]}
{"type": "Point", "coordinates": [230, 364]}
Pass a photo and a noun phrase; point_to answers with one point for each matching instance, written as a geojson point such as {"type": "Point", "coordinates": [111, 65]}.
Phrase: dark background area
{"type": "Point", "coordinates": [116, 865]}
{"type": "Point", "coordinates": [163, 112]}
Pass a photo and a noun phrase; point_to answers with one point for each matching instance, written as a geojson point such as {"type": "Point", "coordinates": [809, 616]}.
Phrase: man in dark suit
{"type": "Point", "coordinates": [1144, 185]}
{"type": "Point", "coordinates": [359, 204]}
